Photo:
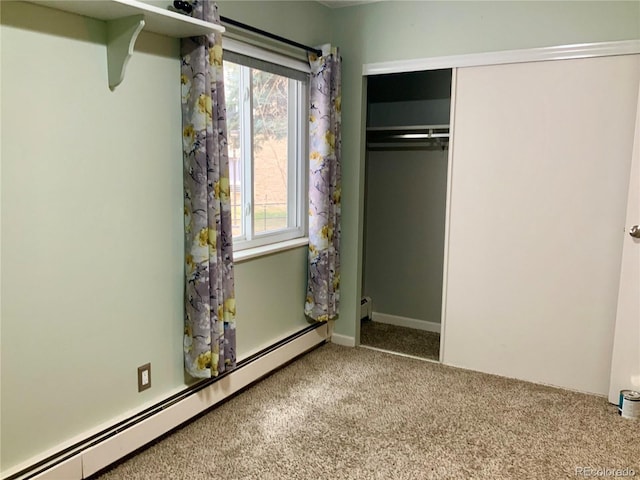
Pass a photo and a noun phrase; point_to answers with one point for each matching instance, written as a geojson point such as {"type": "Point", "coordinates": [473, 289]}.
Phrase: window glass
{"type": "Point", "coordinates": [270, 151]}
{"type": "Point", "coordinates": [232, 88]}
{"type": "Point", "coordinates": [266, 107]}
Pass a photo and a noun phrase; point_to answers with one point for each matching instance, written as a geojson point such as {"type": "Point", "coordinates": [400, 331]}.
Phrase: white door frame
{"type": "Point", "coordinates": [625, 361]}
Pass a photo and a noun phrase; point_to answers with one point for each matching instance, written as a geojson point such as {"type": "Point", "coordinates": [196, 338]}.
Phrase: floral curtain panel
{"type": "Point", "coordinates": [323, 287]}
{"type": "Point", "coordinates": [209, 336]}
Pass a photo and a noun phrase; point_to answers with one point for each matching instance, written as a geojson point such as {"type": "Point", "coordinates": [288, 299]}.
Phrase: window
{"type": "Point", "coordinates": [266, 121]}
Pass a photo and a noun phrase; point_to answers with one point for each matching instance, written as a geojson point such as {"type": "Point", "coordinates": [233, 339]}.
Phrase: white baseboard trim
{"type": "Point", "coordinates": [93, 459]}
{"type": "Point", "coordinates": [406, 322]}
{"type": "Point", "coordinates": [343, 340]}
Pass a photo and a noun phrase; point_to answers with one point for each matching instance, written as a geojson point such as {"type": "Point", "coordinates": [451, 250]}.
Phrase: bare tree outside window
{"type": "Point", "coordinates": [270, 127]}
{"type": "Point", "coordinates": [259, 121]}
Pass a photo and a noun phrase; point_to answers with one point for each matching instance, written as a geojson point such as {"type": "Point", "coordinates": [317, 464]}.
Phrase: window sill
{"type": "Point", "coordinates": [256, 252]}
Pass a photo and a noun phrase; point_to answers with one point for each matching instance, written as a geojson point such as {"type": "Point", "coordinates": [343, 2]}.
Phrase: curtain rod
{"type": "Point", "coordinates": [270, 35]}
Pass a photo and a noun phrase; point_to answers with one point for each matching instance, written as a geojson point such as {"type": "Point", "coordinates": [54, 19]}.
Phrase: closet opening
{"type": "Point", "coordinates": [406, 165]}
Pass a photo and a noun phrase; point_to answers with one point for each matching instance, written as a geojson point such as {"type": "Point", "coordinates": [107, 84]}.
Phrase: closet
{"type": "Point", "coordinates": [405, 202]}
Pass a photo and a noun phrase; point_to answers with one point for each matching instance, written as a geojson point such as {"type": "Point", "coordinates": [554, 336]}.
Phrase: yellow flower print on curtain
{"type": "Point", "coordinates": [210, 332]}
{"type": "Point", "coordinates": [323, 286]}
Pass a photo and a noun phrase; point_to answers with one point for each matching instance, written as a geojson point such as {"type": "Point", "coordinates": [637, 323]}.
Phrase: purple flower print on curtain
{"type": "Point", "coordinates": [323, 287]}
{"type": "Point", "coordinates": [209, 333]}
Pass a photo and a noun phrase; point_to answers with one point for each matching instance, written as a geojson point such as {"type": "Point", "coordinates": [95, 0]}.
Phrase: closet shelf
{"type": "Point", "coordinates": [407, 136]}
{"type": "Point", "coordinates": [407, 128]}
{"type": "Point", "coordinates": [125, 20]}
{"type": "Point", "coordinates": [157, 20]}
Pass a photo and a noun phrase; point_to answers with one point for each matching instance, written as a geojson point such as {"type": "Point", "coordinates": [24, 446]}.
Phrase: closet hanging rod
{"type": "Point", "coordinates": [270, 35]}
{"type": "Point", "coordinates": [401, 145]}
{"type": "Point", "coordinates": [408, 136]}
{"type": "Point", "coordinates": [407, 128]}
{"type": "Point", "coordinates": [407, 133]}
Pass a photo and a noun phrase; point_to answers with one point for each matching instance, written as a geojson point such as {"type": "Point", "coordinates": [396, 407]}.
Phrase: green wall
{"type": "Point", "coordinates": [92, 248]}
{"type": "Point", "coordinates": [270, 293]}
{"type": "Point", "coordinates": [304, 21]}
{"type": "Point", "coordinates": [91, 216]}
{"type": "Point", "coordinates": [398, 30]}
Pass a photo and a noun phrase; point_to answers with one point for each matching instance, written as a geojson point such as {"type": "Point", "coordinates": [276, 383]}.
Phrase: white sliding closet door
{"type": "Point", "coordinates": [540, 170]}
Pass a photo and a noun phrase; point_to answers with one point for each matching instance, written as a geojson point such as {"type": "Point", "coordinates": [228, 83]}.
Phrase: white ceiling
{"type": "Point", "coordinates": [345, 3]}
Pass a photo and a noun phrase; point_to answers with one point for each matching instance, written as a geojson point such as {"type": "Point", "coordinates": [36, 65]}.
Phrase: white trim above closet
{"type": "Point", "coordinates": [562, 52]}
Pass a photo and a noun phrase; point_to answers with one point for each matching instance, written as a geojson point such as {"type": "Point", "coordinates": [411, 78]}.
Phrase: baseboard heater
{"type": "Point", "coordinates": [95, 453]}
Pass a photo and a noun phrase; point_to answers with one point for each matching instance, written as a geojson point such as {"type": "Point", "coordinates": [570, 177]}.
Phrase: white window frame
{"type": "Point", "coordinates": [298, 153]}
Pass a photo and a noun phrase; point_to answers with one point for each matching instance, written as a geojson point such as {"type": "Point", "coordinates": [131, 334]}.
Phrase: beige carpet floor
{"type": "Point", "coordinates": [400, 339]}
{"type": "Point", "coordinates": [355, 413]}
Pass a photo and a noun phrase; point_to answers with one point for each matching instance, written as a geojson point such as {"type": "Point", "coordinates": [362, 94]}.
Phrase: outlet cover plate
{"type": "Point", "coordinates": [144, 369]}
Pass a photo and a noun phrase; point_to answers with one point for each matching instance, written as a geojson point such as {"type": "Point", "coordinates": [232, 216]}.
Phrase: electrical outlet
{"type": "Point", "coordinates": [144, 377]}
